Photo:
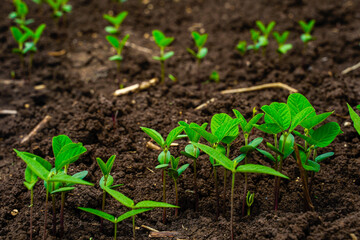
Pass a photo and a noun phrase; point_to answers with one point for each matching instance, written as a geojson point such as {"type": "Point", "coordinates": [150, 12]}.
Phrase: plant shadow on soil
{"type": "Point", "coordinates": [78, 97]}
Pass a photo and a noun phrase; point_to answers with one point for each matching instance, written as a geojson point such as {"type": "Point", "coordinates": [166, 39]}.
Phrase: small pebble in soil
{"type": "Point", "coordinates": [346, 124]}
{"type": "Point", "coordinates": [14, 212]}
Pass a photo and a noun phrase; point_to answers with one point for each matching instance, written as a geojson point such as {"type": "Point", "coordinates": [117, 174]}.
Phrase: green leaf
{"type": "Point", "coordinates": [63, 189]}
{"type": "Point", "coordinates": [154, 135]}
{"type": "Point", "coordinates": [285, 48]}
{"type": "Point", "coordinates": [243, 121]}
{"type": "Point", "coordinates": [167, 55]}
{"type": "Point", "coordinates": [212, 139]}
{"type": "Point", "coordinates": [267, 154]}
{"type": "Point", "coordinates": [113, 41]}
{"type": "Point", "coordinates": [79, 175]}
{"type": "Point", "coordinates": [183, 168]}
{"type": "Point", "coordinates": [239, 158]}
{"type": "Point", "coordinates": [69, 154]}
{"type": "Point", "coordinates": [355, 118]}
{"type": "Point", "coordinates": [270, 128]}
{"type": "Point", "coordinates": [219, 157]}
{"type": "Point", "coordinates": [110, 163]}
{"type": "Point", "coordinates": [39, 32]}
{"type": "Point", "coordinates": [99, 213]}
{"type": "Point", "coordinates": [58, 143]}
{"type": "Point", "coordinates": [301, 116]}
{"type": "Point", "coordinates": [273, 148]}
{"type": "Point", "coordinates": [68, 179]}
{"type": "Point", "coordinates": [298, 102]}
{"type": "Point", "coordinates": [251, 146]}
{"type": "Point", "coordinates": [325, 134]}
{"type": "Point", "coordinates": [311, 122]}
{"type": "Point", "coordinates": [227, 129]}
{"type": "Point", "coordinates": [120, 17]}
{"type": "Point", "coordinates": [255, 168]}
{"type": "Point", "coordinates": [218, 121]}
{"type": "Point", "coordinates": [161, 166]}
{"type": "Point", "coordinates": [111, 30]}
{"type": "Point", "coordinates": [109, 181]}
{"type": "Point", "coordinates": [164, 159]}
{"type": "Point", "coordinates": [192, 52]}
{"type": "Point", "coordinates": [42, 161]}
{"type": "Point", "coordinates": [323, 156]}
{"type": "Point", "coordinates": [29, 46]}
{"type": "Point", "coordinates": [158, 37]}
{"type": "Point", "coordinates": [157, 58]}
{"type": "Point", "coordinates": [153, 204]}
{"type": "Point", "coordinates": [131, 213]}
{"type": "Point", "coordinates": [123, 41]}
{"type": "Point", "coordinates": [202, 53]}
{"type": "Point", "coordinates": [278, 113]}
{"type": "Point", "coordinates": [16, 32]}
{"type": "Point", "coordinates": [249, 126]}
{"type": "Point", "coordinates": [173, 134]}
{"type": "Point", "coordinates": [67, 8]}
{"type": "Point", "coordinates": [110, 19]}
{"type": "Point", "coordinates": [200, 39]}
{"type": "Point", "coordinates": [102, 166]}
{"type": "Point", "coordinates": [192, 151]}
{"type": "Point", "coordinates": [289, 145]}
{"type": "Point", "coordinates": [241, 47]}
{"type": "Point", "coordinates": [192, 135]}
{"type": "Point", "coordinates": [311, 166]}
{"type": "Point", "coordinates": [127, 202]}
{"type": "Point", "coordinates": [166, 41]}
{"type": "Point", "coordinates": [29, 186]}
{"type": "Point", "coordinates": [34, 165]}
{"type": "Point", "coordinates": [116, 58]}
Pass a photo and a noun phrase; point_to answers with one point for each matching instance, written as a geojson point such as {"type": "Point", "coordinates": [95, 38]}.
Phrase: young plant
{"type": "Point", "coordinates": [140, 207]}
{"type": "Point", "coordinates": [23, 46]}
{"type": "Point", "coordinates": [118, 46]}
{"type": "Point", "coordinates": [165, 156]}
{"type": "Point", "coordinates": [247, 129]}
{"type": "Point", "coordinates": [224, 129]}
{"type": "Point", "coordinates": [162, 41]}
{"type": "Point", "coordinates": [307, 28]}
{"type": "Point", "coordinates": [255, 35]}
{"type": "Point", "coordinates": [265, 30]}
{"type": "Point", "coordinates": [59, 7]}
{"type": "Point", "coordinates": [232, 166]}
{"type": "Point", "coordinates": [193, 153]}
{"type": "Point", "coordinates": [355, 117]}
{"type": "Point", "coordinates": [106, 180]}
{"type": "Point", "coordinates": [249, 201]}
{"type": "Point", "coordinates": [214, 76]}
{"type": "Point", "coordinates": [241, 47]}
{"type": "Point", "coordinates": [283, 47]}
{"type": "Point", "coordinates": [174, 172]}
{"type": "Point", "coordinates": [65, 153]}
{"type": "Point", "coordinates": [19, 16]}
{"type": "Point", "coordinates": [200, 40]}
{"type": "Point", "coordinates": [116, 22]}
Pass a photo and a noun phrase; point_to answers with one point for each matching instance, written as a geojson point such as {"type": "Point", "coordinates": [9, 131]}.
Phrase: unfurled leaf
{"type": "Point", "coordinates": [153, 204]}
{"type": "Point", "coordinates": [34, 165]}
{"type": "Point", "coordinates": [154, 135]}
{"type": "Point", "coordinates": [132, 213]}
{"type": "Point", "coordinates": [355, 118]}
{"type": "Point", "coordinates": [99, 213]}
{"type": "Point", "coordinates": [173, 134]}
{"type": "Point", "coordinates": [127, 202]}
{"type": "Point", "coordinates": [254, 168]}
{"type": "Point", "coordinates": [323, 156]}
{"type": "Point", "coordinates": [63, 178]}
{"type": "Point", "coordinates": [59, 142]}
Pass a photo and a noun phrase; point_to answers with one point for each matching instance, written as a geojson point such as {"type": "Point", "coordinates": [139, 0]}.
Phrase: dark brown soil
{"type": "Point", "coordinates": [78, 97]}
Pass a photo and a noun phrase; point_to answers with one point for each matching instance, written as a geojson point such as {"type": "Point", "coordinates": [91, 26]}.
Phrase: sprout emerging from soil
{"type": "Point", "coordinates": [118, 46]}
{"type": "Point", "coordinates": [23, 46]}
{"type": "Point", "coordinates": [241, 47]}
{"type": "Point", "coordinates": [116, 22]}
{"type": "Point", "coordinates": [283, 47]}
{"type": "Point", "coordinates": [263, 40]}
{"type": "Point", "coordinates": [200, 40]}
{"type": "Point", "coordinates": [59, 7]}
{"type": "Point", "coordinates": [249, 201]}
{"type": "Point", "coordinates": [19, 16]}
{"type": "Point", "coordinates": [307, 28]}
{"type": "Point", "coordinates": [232, 166]}
{"type": "Point", "coordinates": [162, 41]}
{"type": "Point", "coordinates": [164, 157]}
{"type": "Point", "coordinates": [138, 208]}
{"type": "Point", "coordinates": [255, 35]}
{"type": "Point", "coordinates": [214, 76]}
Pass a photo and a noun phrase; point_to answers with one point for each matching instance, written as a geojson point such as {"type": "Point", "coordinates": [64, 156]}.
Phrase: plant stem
{"type": "Point", "coordinates": [162, 71]}
{"type": "Point", "coordinates": [164, 194]}
{"type": "Point", "coordinates": [246, 183]}
{"type": "Point", "coordinates": [133, 222]}
{"type": "Point", "coordinates": [232, 205]}
{"type": "Point", "coordinates": [196, 188]}
{"type": "Point", "coordinates": [62, 214]}
{"type": "Point", "coordinates": [54, 213]}
{"type": "Point", "coordinates": [176, 199]}
{"type": "Point", "coordinates": [225, 176]}
{"type": "Point", "coordinates": [118, 63]}
{"type": "Point", "coordinates": [45, 218]}
{"type": "Point", "coordinates": [31, 210]}
{"type": "Point", "coordinates": [102, 209]}
{"type": "Point", "coordinates": [216, 191]}
{"type": "Point", "coordinates": [115, 230]}
{"type": "Point", "coordinates": [277, 179]}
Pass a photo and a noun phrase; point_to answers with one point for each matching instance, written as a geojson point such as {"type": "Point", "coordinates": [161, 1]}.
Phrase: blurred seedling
{"type": "Point", "coordinates": [200, 40]}
{"type": "Point", "coordinates": [118, 46]}
{"type": "Point", "coordinates": [307, 28]}
{"type": "Point", "coordinates": [162, 41]}
{"type": "Point", "coordinates": [116, 22]}
{"type": "Point", "coordinates": [19, 15]}
{"type": "Point", "coordinates": [283, 47]}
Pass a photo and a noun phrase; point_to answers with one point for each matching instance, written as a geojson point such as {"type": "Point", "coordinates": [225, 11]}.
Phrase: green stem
{"type": "Point", "coordinates": [115, 230]}
{"type": "Point", "coordinates": [31, 210]}
{"type": "Point", "coordinates": [45, 218]}
{"type": "Point", "coordinates": [162, 71]}
{"type": "Point", "coordinates": [216, 191]}
{"type": "Point", "coordinates": [246, 180]}
{"type": "Point", "coordinates": [232, 205]}
{"type": "Point", "coordinates": [277, 179]}
{"type": "Point", "coordinates": [225, 176]}
{"type": "Point", "coordinates": [54, 212]}
{"type": "Point", "coordinates": [103, 207]}
{"type": "Point", "coordinates": [195, 188]}
{"type": "Point", "coordinates": [176, 199]}
{"type": "Point", "coordinates": [164, 194]}
{"type": "Point", "coordinates": [133, 222]}
{"type": "Point", "coordinates": [248, 211]}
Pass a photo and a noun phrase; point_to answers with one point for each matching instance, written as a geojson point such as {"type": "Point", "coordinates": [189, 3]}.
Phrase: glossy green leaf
{"type": "Point", "coordinates": [161, 166]}
{"type": "Point", "coordinates": [267, 154]}
{"type": "Point", "coordinates": [278, 113]}
{"type": "Point", "coordinates": [273, 148]}
{"type": "Point", "coordinates": [298, 102]}
{"type": "Point", "coordinates": [154, 135]}
{"type": "Point", "coordinates": [63, 189]}
{"type": "Point", "coordinates": [249, 126]}
{"type": "Point", "coordinates": [270, 128]}
{"type": "Point", "coordinates": [38, 32]}
{"type": "Point", "coordinates": [202, 53]}
{"type": "Point", "coordinates": [111, 30]}
{"type": "Point", "coordinates": [289, 145]}
{"type": "Point", "coordinates": [255, 168]}
{"type": "Point", "coordinates": [355, 118]}
{"type": "Point", "coordinates": [16, 32]}
{"type": "Point", "coordinates": [59, 142]}
{"type": "Point", "coordinates": [285, 48]}
{"type": "Point", "coordinates": [131, 213]}
{"type": "Point", "coordinates": [313, 121]}
{"type": "Point", "coordinates": [34, 165]}
{"type": "Point", "coordinates": [109, 181]}
{"type": "Point", "coordinates": [153, 204]}
{"type": "Point", "coordinates": [323, 156]}
{"type": "Point", "coordinates": [99, 213]}
{"type": "Point", "coordinates": [68, 179]}
{"type": "Point", "coordinates": [127, 202]}
{"type": "Point", "coordinates": [167, 55]}
{"type": "Point", "coordinates": [113, 41]}
{"type": "Point", "coordinates": [102, 166]}
{"type": "Point", "coordinates": [110, 163]}
{"type": "Point", "coordinates": [69, 154]}
{"type": "Point", "coordinates": [116, 58]}
{"type": "Point", "coordinates": [301, 116]}
{"type": "Point", "coordinates": [212, 139]}
{"type": "Point", "coordinates": [183, 168]}
{"type": "Point", "coordinates": [173, 134]}
{"type": "Point", "coordinates": [239, 158]}
{"type": "Point", "coordinates": [227, 129]}
{"type": "Point", "coordinates": [325, 134]}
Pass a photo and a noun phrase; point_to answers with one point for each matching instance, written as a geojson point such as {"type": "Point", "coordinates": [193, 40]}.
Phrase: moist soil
{"type": "Point", "coordinates": [79, 82]}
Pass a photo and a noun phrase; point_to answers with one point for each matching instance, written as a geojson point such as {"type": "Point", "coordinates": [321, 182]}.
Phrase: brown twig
{"type": "Point", "coordinates": [149, 228]}
{"type": "Point", "coordinates": [260, 87]}
{"type": "Point", "coordinates": [165, 234]}
{"type": "Point", "coordinates": [136, 87]}
{"type": "Point", "coordinates": [205, 104]}
{"type": "Point", "coordinates": [152, 146]}
{"type": "Point", "coordinates": [57, 53]}
{"type": "Point", "coordinates": [352, 68]}
{"type": "Point", "coordinates": [36, 129]}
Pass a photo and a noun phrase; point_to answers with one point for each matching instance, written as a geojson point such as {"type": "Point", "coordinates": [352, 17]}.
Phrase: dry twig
{"type": "Point", "coordinates": [8, 112]}
{"type": "Point", "coordinates": [164, 234]}
{"type": "Point", "coordinates": [36, 129]}
{"type": "Point", "coordinates": [352, 68]}
{"type": "Point", "coordinates": [139, 48]}
{"type": "Point", "coordinates": [260, 87]}
{"type": "Point", "coordinates": [149, 228]}
{"type": "Point", "coordinates": [136, 87]}
{"type": "Point", "coordinates": [205, 104]}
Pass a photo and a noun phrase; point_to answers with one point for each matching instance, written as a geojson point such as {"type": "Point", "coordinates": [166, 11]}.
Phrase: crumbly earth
{"type": "Point", "coordinates": [80, 81]}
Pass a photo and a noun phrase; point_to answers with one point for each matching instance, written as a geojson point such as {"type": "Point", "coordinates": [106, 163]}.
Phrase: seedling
{"type": "Point", "coordinates": [172, 78]}
{"type": "Point", "coordinates": [193, 153]}
{"type": "Point", "coordinates": [165, 156]}
{"type": "Point", "coordinates": [138, 208]}
{"type": "Point", "coordinates": [19, 16]}
{"type": "Point", "coordinates": [265, 30]}
{"type": "Point", "coordinates": [255, 35]}
{"type": "Point", "coordinates": [214, 76]}
{"type": "Point", "coordinates": [116, 22]}
{"type": "Point", "coordinates": [355, 118]}
{"type": "Point", "coordinates": [174, 172]}
{"type": "Point", "coordinates": [106, 180]}
{"type": "Point", "coordinates": [200, 40]}
{"type": "Point", "coordinates": [241, 47]}
{"type": "Point", "coordinates": [232, 166]}
{"type": "Point", "coordinates": [162, 41]}
{"type": "Point", "coordinates": [307, 28]}
{"type": "Point", "coordinates": [118, 46]}
{"type": "Point", "coordinates": [283, 47]}
{"type": "Point", "coordinates": [249, 201]}
{"type": "Point", "coordinates": [65, 152]}
{"type": "Point", "coordinates": [23, 46]}
{"type": "Point", "coordinates": [59, 7]}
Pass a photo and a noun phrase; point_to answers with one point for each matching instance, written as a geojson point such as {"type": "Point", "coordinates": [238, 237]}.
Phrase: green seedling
{"type": "Point", "coordinates": [214, 76]}
{"type": "Point", "coordinates": [106, 180]}
{"type": "Point", "coordinates": [116, 22]}
{"type": "Point", "coordinates": [193, 153]}
{"type": "Point", "coordinates": [23, 46]}
{"type": "Point", "coordinates": [59, 7]}
{"type": "Point", "coordinates": [247, 129]}
{"type": "Point", "coordinates": [162, 41]}
{"type": "Point", "coordinates": [39, 1]}
{"type": "Point", "coordinates": [249, 201]}
{"type": "Point", "coordinates": [225, 130]}
{"type": "Point", "coordinates": [241, 47]}
{"type": "Point", "coordinates": [19, 16]}
{"type": "Point", "coordinates": [165, 156]}
{"type": "Point", "coordinates": [255, 36]}
{"type": "Point", "coordinates": [234, 168]}
{"type": "Point", "coordinates": [65, 152]}
{"type": "Point", "coordinates": [307, 28]}
{"type": "Point", "coordinates": [283, 47]}
{"type": "Point", "coordinates": [174, 172]}
{"type": "Point", "coordinates": [355, 118]}
{"type": "Point", "coordinates": [265, 30]}
{"type": "Point", "coordinates": [138, 208]}
{"type": "Point", "coordinates": [200, 40]}
{"type": "Point", "coordinates": [118, 46]}
{"type": "Point", "coordinates": [172, 78]}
